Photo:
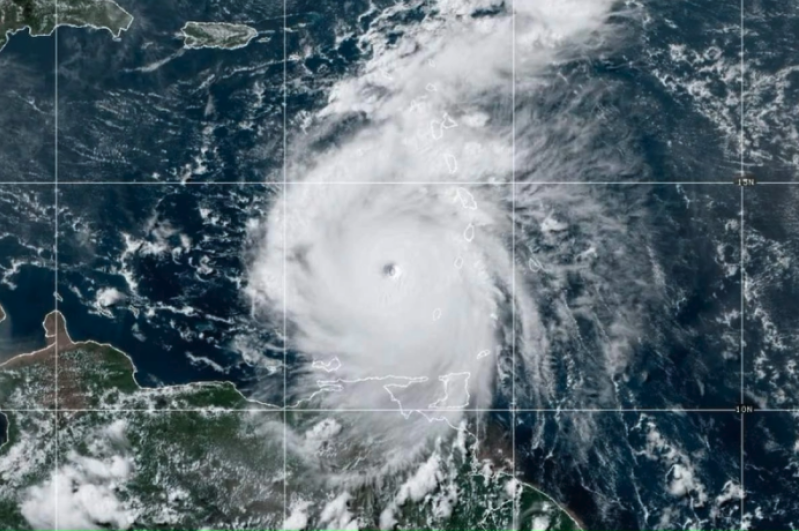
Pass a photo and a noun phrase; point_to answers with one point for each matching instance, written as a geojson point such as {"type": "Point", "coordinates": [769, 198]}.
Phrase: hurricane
{"type": "Point", "coordinates": [399, 264]}
{"type": "Point", "coordinates": [400, 250]}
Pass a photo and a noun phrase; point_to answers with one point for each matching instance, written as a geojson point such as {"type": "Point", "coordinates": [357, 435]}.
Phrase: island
{"type": "Point", "coordinates": [41, 17]}
{"type": "Point", "coordinates": [203, 455]}
{"type": "Point", "coordinates": [217, 35]}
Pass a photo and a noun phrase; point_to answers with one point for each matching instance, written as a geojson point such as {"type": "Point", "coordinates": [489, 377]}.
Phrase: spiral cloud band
{"type": "Point", "coordinates": [392, 251]}
{"type": "Point", "coordinates": [393, 290]}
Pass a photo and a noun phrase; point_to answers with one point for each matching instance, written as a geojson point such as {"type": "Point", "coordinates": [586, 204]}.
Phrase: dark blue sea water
{"type": "Point", "coordinates": [141, 109]}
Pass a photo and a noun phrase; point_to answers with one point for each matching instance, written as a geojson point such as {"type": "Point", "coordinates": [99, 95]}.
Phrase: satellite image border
{"type": "Point", "coordinates": [221, 231]}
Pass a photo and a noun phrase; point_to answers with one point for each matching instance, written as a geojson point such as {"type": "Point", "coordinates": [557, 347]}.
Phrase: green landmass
{"type": "Point", "coordinates": [97, 376]}
{"type": "Point", "coordinates": [217, 35]}
{"type": "Point", "coordinates": [39, 16]}
{"type": "Point", "coordinates": [203, 456]}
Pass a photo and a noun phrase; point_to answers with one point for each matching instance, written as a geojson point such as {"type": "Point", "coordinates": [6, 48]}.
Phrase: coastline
{"type": "Point", "coordinates": [251, 32]}
{"type": "Point", "coordinates": [116, 33]}
{"type": "Point", "coordinates": [59, 341]}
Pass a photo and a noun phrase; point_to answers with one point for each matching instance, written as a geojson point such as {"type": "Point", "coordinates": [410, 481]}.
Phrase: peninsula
{"type": "Point", "coordinates": [202, 455]}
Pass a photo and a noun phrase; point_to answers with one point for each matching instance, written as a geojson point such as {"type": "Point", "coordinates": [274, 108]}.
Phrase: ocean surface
{"type": "Point", "coordinates": [168, 158]}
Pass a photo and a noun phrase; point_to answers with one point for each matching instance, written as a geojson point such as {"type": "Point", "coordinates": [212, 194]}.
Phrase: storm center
{"type": "Point", "coordinates": [392, 271]}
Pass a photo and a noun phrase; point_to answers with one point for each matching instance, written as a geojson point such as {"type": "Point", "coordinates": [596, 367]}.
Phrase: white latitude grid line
{"type": "Point", "coordinates": [285, 182]}
{"type": "Point", "coordinates": [741, 148]}
{"type": "Point", "coordinates": [385, 410]}
{"type": "Point", "coordinates": [55, 260]}
{"type": "Point", "coordinates": [387, 183]}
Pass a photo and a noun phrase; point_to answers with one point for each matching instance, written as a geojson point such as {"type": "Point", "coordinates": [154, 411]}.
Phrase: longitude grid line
{"type": "Point", "coordinates": [55, 257]}
{"type": "Point", "coordinates": [516, 494]}
{"type": "Point", "coordinates": [285, 182]}
{"type": "Point", "coordinates": [741, 148]}
{"type": "Point", "coordinates": [285, 251]}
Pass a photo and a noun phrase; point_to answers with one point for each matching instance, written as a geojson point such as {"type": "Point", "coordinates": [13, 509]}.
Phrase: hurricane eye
{"type": "Point", "coordinates": [391, 271]}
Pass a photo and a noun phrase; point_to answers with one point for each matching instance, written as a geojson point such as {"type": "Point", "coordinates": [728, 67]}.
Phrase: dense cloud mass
{"type": "Point", "coordinates": [392, 251]}
{"type": "Point", "coordinates": [83, 492]}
